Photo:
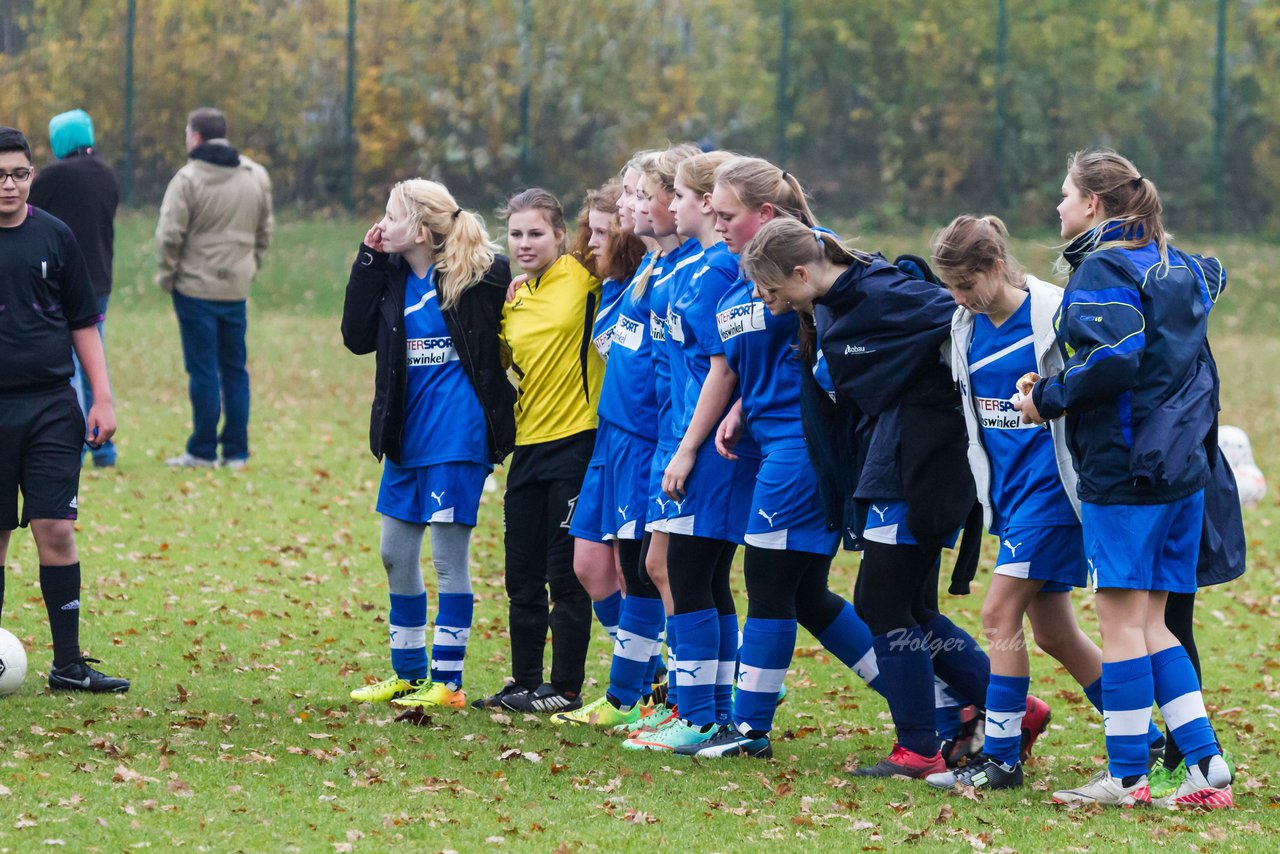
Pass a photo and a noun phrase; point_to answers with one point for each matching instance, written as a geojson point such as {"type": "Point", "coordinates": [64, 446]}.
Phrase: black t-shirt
{"type": "Point", "coordinates": [81, 191]}
{"type": "Point", "coordinates": [44, 294]}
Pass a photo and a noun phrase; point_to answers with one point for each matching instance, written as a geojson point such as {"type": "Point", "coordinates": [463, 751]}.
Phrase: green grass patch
{"type": "Point", "coordinates": [245, 605]}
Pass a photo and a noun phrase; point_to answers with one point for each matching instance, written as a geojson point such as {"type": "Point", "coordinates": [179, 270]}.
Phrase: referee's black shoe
{"type": "Point", "coordinates": [79, 676]}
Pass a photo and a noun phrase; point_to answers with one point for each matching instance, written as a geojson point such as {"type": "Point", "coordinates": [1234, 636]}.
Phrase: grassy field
{"type": "Point", "coordinates": [245, 605]}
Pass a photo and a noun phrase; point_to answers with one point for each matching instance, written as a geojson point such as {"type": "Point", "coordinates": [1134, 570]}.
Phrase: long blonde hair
{"type": "Point", "coordinates": [460, 247]}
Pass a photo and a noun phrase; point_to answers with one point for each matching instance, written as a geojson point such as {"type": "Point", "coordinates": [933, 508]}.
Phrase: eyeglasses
{"type": "Point", "coordinates": [19, 176]}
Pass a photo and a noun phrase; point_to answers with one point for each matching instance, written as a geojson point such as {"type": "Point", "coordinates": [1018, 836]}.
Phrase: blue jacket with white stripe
{"type": "Point", "coordinates": [1138, 385]}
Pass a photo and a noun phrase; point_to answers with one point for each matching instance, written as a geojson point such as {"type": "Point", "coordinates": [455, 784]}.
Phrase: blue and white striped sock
{"type": "Point", "coordinates": [1127, 694]}
{"type": "Point", "coordinates": [673, 663]}
{"type": "Point", "coordinates": [608, 611]}
{"type": "Point", "coordinates": [1093, 691]}
{"type": "Point", "coordinates": [730, 642]}
{"type": "Point", "coordinates": [699, 653]}
{"type": "Point", "coordinates": [767, 647]}
{"type": "Point", "coordinates": [639, 630]}
{"type": "Point", "coordinates": [1177, 691]}
{"type": "Point", "coordinates": [657, 664]}
{"type": "Point", "coordinates": [1006, 705]}
{"type": "Point", "coordinates": [449, 645]}
{"type": "Point", "coordinates": [407, 635]}
{"type": "Point", "coordinates": [849, 639]}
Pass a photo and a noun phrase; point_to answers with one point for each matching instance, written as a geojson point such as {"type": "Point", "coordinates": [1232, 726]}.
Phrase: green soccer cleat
{"type": "Point", "coordinates": [388, 690]}
{"type": "Point", "coordinates": [675, 733]}
{"type": "Point", "coordinates": [651, 717]}
{"type": "Point", "coordinates": [599, 713]}
{"type": "Point", "coordinates": [1164, 781]}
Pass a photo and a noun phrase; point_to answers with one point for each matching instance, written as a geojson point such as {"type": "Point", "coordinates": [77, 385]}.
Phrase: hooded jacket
{"type": "Point", "coordinates": [215, 225]}
{"type": "Point", "coordinates": [1138, 385]}
{"type": "Point", "coordinates": [1045, 300]}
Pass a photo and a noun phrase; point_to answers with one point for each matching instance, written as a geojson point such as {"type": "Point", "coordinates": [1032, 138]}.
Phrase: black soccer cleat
{"type": "Point", "coordinates": [79, 676]}
{"type": "Point", "coordinates": [546, 699]}
{"type": "Point", "coordinates": [985, 773]}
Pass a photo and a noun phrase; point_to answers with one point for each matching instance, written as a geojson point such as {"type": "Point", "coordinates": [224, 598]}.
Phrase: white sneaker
{"type": "Point", "coordinates": [1104, 789]}
{"type": "Point", "coordinates": [1196, 792]}
{"type": "Point", "coordinates": [190, 461]}
{"type": "Point", "coordinates": [235, 465]}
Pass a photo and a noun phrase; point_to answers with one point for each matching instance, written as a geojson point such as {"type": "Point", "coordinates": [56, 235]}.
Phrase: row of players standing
{"type": "Point", "coordinates": [713, 434]}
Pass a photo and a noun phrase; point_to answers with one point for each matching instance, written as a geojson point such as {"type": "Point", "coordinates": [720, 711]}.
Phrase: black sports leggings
{"type": "Point", "coordinates": [1179, 609]}
{"type": "Point", "coordinates": [631, 554]}
{"type": "Point", "coordinates": [698, 569]}
{"type": "Point", "coordinates": [897, 586]}
{"type": "Point", "coordinates": [787, 585]}
{"type": "Point", "coordinates": [543, 592]}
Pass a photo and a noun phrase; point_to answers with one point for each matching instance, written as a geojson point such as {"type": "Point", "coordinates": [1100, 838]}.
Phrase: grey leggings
{"type": "Point", "coordinates": [402, 554]}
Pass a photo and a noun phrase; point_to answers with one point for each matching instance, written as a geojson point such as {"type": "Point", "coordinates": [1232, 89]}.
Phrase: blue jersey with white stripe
{"type": "Point", "coordinates": [761, 349]}
{"type": "Point", "coordinates": [629, 396]}
{"type": "Point", "coordinates": [602, 330]}
{"type": "Point", "coordinates": [1026, 489]}
{"type": "Point", "coordinates": [692, 334]}
{"type": "Point", "coordinates": [443, 419]}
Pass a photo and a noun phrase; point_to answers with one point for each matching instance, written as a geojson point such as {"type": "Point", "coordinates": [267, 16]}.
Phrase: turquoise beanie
{"type": "Point", "coordinates": [69, 131]}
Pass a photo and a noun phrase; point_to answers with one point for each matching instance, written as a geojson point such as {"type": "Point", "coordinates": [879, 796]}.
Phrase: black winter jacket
{"type": "Point", "coordinates": [373, 320]}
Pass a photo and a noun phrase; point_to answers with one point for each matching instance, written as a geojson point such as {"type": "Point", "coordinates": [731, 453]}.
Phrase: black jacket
{"type": "Point", "coordinates": [373, 320]}
{"type": "Point", "coordinates": [81, 191]}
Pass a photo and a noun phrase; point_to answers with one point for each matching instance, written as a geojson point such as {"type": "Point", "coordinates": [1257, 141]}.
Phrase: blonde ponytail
{"type": "Point", "coordinates": [461, 249]}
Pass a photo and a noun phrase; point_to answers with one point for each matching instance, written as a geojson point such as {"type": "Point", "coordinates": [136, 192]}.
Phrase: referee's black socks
{"type": "Point", "coordinates": [60, 586]}
{"type": "Point", "coordinates": [1, 594]}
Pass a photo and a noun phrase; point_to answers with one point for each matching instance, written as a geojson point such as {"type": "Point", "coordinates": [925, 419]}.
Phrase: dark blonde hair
{"type": "Point", "coordinates": [784, 243]}
{"type": "Point", "coordinates": [660, 166]}
{"type": "Point", "coordinates": [1129, 199]}
{"type": "Point", "coordinates": [973, 244]}
{"type": "Point", "coordinates": [757, 182]}
{"type": "Point", "coordinates": [622, 252]}
{"type": "Point", "coordinates": [698, 173]}
{"type": "Point", "coordinates": [460, 247]}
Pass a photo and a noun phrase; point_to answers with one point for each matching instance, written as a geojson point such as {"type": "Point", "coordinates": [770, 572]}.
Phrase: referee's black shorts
{"type": "Point", "coordinates": [41, 444]}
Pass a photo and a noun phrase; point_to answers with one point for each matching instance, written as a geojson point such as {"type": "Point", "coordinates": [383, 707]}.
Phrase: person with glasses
{"type": "Point", "coordinates": [47, 311]}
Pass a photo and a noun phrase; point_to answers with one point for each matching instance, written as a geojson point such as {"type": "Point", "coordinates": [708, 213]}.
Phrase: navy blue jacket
{"type": "Point", "coordinates": [881, 332]}
{"type": "Point", "coordinates": [1139, 386]}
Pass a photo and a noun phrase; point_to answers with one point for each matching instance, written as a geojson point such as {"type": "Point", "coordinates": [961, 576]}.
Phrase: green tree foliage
{"type": "Point", "coordinates": [891, 103]}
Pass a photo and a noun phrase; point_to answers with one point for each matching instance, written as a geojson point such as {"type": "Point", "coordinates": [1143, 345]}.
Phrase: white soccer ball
{"type": "Point", "coordinates": [1238, 450]}
{"type": "Point", "coordinates": [1235, 446]}
{"type": "Point", "coordinates": [13, 663]}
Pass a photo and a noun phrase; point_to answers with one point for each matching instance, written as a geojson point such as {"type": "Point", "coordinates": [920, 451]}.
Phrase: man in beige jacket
{"type": "Point", "coordinates": [215, 226]}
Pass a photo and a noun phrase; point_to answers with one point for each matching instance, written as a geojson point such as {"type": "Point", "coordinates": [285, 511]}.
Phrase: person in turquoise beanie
{"type": "Point", "coordinates": [81, 190]}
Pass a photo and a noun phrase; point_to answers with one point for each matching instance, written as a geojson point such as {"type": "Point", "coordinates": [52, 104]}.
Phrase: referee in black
{"type": "Point", "coordinates": [47, 308]}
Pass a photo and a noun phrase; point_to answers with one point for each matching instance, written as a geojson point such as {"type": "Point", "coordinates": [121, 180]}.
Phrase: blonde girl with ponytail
{"type": "Point", "coordinates": [426, 294]}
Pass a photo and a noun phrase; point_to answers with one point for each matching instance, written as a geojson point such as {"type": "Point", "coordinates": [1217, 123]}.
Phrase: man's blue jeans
{"type": "Point", "coordinates": [213, 349]}
{"type": "Point", "coordinates": [106, 455]}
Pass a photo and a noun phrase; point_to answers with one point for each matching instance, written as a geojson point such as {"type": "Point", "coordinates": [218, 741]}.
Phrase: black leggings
{"type": "Point", "coordinates": [698, 569]}
{"type": "Point", "coordinates": [542, 488]}
{"type": "Point", "coordinates": [897, 586]}
{"type": "Point", "coordinates": [631, 554]}
{"type": "Point", "coordinates": [1179, 610]}
{"type": "Point", "coordinates": [787, 585]}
